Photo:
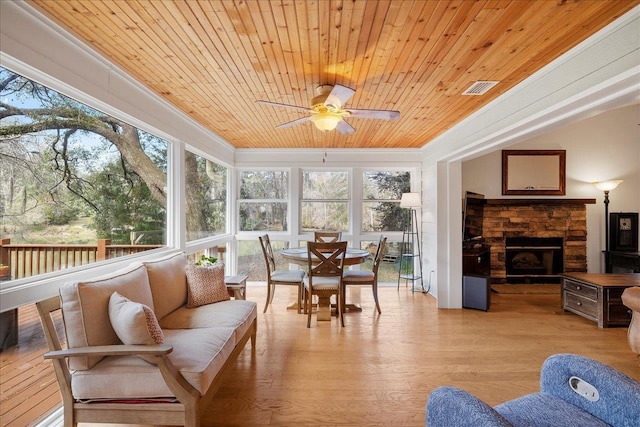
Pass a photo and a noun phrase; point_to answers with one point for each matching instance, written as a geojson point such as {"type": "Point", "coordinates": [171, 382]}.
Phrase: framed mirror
{"type": "Point", "coordinates": [533, 172]}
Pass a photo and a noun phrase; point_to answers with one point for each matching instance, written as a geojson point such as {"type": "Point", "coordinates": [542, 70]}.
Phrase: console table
{"type": "Point", "coordinates": [598, 296]}
{"type": "Point", "coordinates": [630, 260]}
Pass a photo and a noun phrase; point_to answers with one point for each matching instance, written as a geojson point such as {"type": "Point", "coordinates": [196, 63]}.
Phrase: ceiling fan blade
{"type": "Point", "coordinates": [375, 114]}
{"type": "Point", "coordinates": [277, 104]}
{"type": "Point", "coordinates": [345, 128]}
{"type": "Point", "coordinates": [293, 122]}
{"type": "Point", "coordinates": [339, 96]}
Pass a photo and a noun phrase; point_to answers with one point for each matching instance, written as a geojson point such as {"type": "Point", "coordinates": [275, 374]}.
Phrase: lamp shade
{"type": "Point", "coordinates": [607, 185]}
{"type": "Point", "coordinates": [326, 121]}
{"type": "Point", "coordinates": [410, 200]}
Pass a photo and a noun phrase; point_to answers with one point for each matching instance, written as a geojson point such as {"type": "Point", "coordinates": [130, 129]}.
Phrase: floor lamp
{"type": "Point", "coordinates": [411, 241]}
{"type": "Point", "coordinates": [606, 186]}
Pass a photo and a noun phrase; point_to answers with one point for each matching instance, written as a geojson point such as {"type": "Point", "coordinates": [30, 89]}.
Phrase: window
{"type": "Point", "coordinates": [381, 194]}
{"type": "Point", "coordinates": [388, 268]}
{"type": "Point", "coordinates": [263, 200]}
{"type": "Point", "coordinates": [251, 259]}
{"type": "Point", "coordinates": [325, 201]}
{"type": "Point", "coordinates": [71, 177]}
{"type": "Point", "coordinates": [206, 197]}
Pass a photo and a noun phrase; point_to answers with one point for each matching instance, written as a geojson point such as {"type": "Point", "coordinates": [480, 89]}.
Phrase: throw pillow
{"type": "Point", "coordinates": [205, 285]}
{"type": "Point", "coordinates": [134, 323]}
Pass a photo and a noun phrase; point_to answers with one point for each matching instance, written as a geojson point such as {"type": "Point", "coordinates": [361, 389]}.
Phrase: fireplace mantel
{"type": "Point", "coordinates": [541, 201]}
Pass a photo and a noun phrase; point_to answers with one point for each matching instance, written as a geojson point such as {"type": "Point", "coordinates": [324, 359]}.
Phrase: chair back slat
{"type": "Point", "coordinates": [327, 236]}
{"type": "Point", "coordinates": [267, 251]}
{"type": "Point", "coordinates": [326, 259]}
{"type": "Point", "coordinates": [378, 256]}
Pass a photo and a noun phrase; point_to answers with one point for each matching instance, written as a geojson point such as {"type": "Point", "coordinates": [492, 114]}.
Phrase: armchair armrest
{"type": "Point", "coordinates": [618, 395]}
{"type": "Point", "coordinates": [111, 350]}
{"type": "Point", "coordinates": [451, 406]}
{"type": "Point", "coordinates": [631, 298]}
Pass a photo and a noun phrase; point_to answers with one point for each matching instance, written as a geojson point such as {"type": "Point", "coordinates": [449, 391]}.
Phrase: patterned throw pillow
{"type": "Point", "coordinates": [205, 285]}
{"type": "Point", "coordinates": [134, 323]}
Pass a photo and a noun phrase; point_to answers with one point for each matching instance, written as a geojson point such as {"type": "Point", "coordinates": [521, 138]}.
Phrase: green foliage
{"type": "Point", "coordinates": [206, 261]}
{"type": "Point", "coordinates": [389, 185]}
{"type": "Point", "coordinates": [60, 159]}
{"type": "Point", "coordinates": [59, 215]}
{"type": "Point", "coordinates": [124, 204]}
{"type": "Point", "coordinates": [263, 185]}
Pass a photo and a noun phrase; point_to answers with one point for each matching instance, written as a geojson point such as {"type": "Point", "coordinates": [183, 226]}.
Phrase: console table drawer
{"type": "Point", "coordinates": [598, 296]}
{"type": "Point", "coordinates": [582, 289]}
{"type": "Point", "coordinates": [578, 303]}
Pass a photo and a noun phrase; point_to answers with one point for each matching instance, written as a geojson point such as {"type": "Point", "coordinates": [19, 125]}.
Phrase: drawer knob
{"type": "Point", "coordinates": [578, 287]}
{"type": "Point", "coordinates": [579, 304]}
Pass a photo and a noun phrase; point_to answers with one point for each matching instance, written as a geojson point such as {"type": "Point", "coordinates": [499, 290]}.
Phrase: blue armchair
{"type": "Point", "coordinates": [574, 391]}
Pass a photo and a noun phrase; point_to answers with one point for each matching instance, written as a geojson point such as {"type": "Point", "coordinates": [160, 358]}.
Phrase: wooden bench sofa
{"type": "Point", "coordinates": [103, 380]}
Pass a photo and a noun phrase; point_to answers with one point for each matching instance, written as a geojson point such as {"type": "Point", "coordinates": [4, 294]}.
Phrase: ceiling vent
{"type": "Point", "coordinates": [480, 87]}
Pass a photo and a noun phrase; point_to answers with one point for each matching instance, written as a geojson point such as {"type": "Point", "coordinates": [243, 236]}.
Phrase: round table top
{"type": "Point", "coordinates": [299, 255]}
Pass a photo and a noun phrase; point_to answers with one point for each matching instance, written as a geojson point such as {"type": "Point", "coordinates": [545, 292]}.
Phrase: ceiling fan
{"type": "Point", "coordinates": [327, 110]}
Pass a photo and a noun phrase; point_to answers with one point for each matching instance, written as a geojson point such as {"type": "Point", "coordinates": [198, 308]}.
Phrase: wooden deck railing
{"type": "Point", "coordinates": [25, 260]}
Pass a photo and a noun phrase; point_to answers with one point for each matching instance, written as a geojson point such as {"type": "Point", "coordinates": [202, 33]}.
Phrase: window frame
{"type": "Point", "coordinates": [362, 171]}
{"type": "Point", "coordinates": [348, 200]}
{"type": "Point", "coordinates": [238, 201]}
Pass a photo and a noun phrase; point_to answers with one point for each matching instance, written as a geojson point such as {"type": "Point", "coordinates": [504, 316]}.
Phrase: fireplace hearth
{"type": "Point", "coordinates": [534, 259]}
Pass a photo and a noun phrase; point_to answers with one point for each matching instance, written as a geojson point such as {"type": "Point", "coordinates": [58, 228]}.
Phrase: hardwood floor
{"type": "Point", "coordinates": [380, 369]}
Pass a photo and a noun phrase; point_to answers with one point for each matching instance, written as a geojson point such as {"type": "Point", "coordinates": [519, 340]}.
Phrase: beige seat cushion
{"type": "Point", "coordinates": [323, 283]}
{"type": "Point", "coordinates": [85, 306]}
{"type": "Point", "coordinates": [236, 314]}
{"type": "Point", "coordinates": [168, 282]}
{"type": "Point", "coordinates": [293, 276]}
{"type": "Point", "coordinates": [198, 354]}
{"type": "Point", "coordinates": [357, 276]}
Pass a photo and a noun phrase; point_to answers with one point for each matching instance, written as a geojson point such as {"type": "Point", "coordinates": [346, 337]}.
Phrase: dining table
{"type": "Point", "coordinates": [353, 256]}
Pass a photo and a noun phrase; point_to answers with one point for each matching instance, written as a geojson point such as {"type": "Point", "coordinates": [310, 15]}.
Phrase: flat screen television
{"type": "Point", "coordinates": [472, 216]}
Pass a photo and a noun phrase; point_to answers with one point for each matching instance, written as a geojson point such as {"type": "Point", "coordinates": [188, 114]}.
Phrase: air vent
{"type": "Point", "coordinates": [480, 87]}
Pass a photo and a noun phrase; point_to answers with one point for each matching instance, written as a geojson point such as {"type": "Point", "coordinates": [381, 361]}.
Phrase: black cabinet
{"type": "Point", "coordinates": [476, 277]}
{"type": "Point", "coordinates": [626, 260]}
{"type": "Point", "coordinates": [476, 260]}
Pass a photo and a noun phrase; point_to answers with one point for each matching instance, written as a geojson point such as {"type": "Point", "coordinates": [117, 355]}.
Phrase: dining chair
{"type": "Point", "coordinates": [326, 264]}
{"type": "Point", "coordinates": [366, 277]}
{"type": "Point", "coordinates": [327, 236]}
{"type": "Point", "coordinates": [279, 277]}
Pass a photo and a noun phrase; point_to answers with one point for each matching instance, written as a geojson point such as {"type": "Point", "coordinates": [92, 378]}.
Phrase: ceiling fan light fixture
{"type": "Point", "coordinates": [326, 121]}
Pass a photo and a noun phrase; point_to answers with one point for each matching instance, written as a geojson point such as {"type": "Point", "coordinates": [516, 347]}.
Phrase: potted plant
{"type": "Point", "coordinates": [206, 261]}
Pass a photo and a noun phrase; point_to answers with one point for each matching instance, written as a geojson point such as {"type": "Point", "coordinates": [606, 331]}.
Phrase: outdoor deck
{"type": "Point", "coordinates": [28, 387]}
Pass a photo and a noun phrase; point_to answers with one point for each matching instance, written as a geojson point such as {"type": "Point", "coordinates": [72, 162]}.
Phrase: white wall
{"type": "Point", "coordinates": [599, 148]}
{"type": "Point", "coordinates": [598, 75]}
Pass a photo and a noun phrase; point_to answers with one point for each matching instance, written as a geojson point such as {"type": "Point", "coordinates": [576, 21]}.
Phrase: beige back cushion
{"type": "Point", "coordinates": [168, 282]}
{"type": "Point", "coordinates": [85, 307]}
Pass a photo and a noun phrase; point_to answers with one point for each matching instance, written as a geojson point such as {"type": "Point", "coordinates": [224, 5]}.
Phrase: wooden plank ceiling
{"type": "Point", "coordinates": [214, 59]}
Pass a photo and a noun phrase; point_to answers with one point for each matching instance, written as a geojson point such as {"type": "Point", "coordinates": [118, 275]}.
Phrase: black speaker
{"type": "Point", "coordinates": [476, 292]}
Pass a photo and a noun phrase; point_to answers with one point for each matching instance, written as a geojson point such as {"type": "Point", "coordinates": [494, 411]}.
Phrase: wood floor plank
{"type": "Point", "coordinates": [379, 369]}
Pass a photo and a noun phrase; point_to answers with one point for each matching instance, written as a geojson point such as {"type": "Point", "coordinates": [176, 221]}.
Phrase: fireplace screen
{"type": "Point", "coordinates": [534, 259]}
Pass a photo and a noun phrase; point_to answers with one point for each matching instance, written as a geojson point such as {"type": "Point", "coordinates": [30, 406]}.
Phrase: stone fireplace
{"type": "Point", "coordinates": [535, 240]}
